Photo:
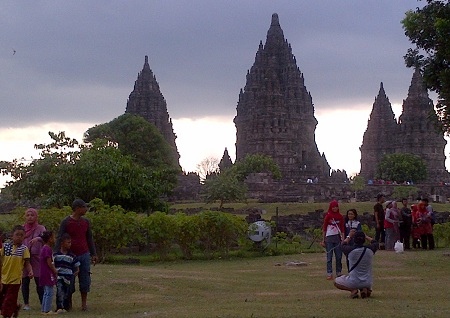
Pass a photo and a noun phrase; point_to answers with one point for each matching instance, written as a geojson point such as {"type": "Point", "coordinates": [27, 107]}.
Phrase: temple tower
{"type": "Point", "coordinates": [225, 162]}
{"type": "Point", "coordinates": [419, 134]}
{"type": "Point", "coordinates": [275, 113]}
{"type": "Point", "coordinates": [147, 101]}
{"type": "Point", "coordinates": [415, 132]}
{"type": "Point", "coordinates": [380, 135]}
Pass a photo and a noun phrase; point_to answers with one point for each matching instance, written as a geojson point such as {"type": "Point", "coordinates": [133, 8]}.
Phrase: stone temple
{"type": "Point", "coordinates": [147, 101]}
{"type": "Point", "coordinates": [275, 112]}
{"type": "Point", "coordinates": [414, 132]}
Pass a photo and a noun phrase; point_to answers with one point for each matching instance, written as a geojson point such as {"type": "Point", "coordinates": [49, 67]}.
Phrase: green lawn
{"type": "Point", "coordinates": [413, 284]}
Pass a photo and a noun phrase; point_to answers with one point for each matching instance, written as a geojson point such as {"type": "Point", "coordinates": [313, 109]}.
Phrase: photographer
{"type": "Point", "coordinates": [360, 258]}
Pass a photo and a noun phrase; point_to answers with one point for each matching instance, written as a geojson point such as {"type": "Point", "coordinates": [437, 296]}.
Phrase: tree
{"type": "Point", "coordinates": [229, 186]}
{"type": "Point", "coordinates": [224, 187]}
{"type": "Point", "coordinates": [67, 170]}
{"type": "Point", "coordinates": [429, 28]}
{"type": "Point", "coordinates": [137, 137]}
{"type": "Point", "coordinates": [206, 167]}
{"type": "Point", "coordinates": [402, 167]}
{"type": "Point", "coordinates": [357, 183]}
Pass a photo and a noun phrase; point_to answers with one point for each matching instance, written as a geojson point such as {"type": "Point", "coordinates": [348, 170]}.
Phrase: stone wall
{"type": "Point", "coordinates": [262, 187]}
{"type": "Point", "coordinates": [297, 224]}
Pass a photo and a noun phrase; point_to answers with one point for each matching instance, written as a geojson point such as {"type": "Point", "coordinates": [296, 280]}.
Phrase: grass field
{"type": "Point", "coordinates": [412, 284]}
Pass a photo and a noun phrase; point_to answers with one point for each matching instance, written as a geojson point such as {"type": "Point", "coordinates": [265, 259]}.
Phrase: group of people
{"type": "Point", "coordinates": [344, 235]}
{"type": "Point", "coordinates": [406, 224]}
{"type": "Point", "coordinates": [32, 252]}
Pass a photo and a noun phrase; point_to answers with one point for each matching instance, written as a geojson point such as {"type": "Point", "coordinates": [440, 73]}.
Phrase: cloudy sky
{"type": "Point", "coordinates": [68, 65]}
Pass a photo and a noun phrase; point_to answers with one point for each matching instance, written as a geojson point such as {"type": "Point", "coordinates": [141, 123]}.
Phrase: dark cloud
{"type": "Point", "coordinates": [79, 60]}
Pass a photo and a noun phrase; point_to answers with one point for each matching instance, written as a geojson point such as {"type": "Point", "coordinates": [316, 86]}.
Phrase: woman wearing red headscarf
{"type": "Point", "coordinates": [416, 232]}
{"type": "Point", "coordinates": [426, 229]}
{"type": "Point", "coordinates": [333, 233]}
{"type": "Point", "coordinates": [33, 241]}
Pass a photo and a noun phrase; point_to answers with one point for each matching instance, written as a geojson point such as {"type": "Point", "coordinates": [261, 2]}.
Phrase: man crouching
{"type": "Point", "coordinates": [360, 259]}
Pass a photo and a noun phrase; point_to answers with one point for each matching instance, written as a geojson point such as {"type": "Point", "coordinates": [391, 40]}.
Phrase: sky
{"type": "Point", "coordinates": [69, 65]}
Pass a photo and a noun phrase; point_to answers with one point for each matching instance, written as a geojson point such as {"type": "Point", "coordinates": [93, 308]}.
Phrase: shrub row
{"type": "Point", "coordinates": [208, 232]}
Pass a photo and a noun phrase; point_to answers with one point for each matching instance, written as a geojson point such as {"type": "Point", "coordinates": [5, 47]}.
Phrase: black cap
{"type": "Point", "coordinates": [78, 203]}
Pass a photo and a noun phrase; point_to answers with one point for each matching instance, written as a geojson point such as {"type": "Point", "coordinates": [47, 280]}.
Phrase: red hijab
{"type": "Point", "coordinates": [332, 205]}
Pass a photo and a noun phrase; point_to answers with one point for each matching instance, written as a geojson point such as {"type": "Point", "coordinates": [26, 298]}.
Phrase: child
{"type": "Point", "coordinates": [15, 256]}
{"type": "Point", "coordinates": [351, 224]}
{"type": "Point", "coordinates": [48, 272]}
{"type": "Point", "coordinates": [66, 265]}
{"type": "Point", "coordinates": [333, 234]}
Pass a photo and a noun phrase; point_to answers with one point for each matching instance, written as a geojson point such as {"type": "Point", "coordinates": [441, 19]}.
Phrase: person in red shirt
{"type": "Point", "coordinates": [79, 229]}
{"type": "Point", "coordinates": [333, 233]}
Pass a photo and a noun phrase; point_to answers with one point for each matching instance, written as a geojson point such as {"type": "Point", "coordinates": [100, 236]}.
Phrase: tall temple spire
{"type": "Point", "coordinates": [415, 132]}
{"type": "Point", "coordinates": [378, 137]}
{"type": "Point", "coordinates": [275, 113]}
{"type": "Point", "coordinates": [147, 101]}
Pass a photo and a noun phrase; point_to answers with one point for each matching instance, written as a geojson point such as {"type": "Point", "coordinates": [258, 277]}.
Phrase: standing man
{"type": "Point", "coordinates": [378, 212]}
{"type": "Point", "coordinates": [79, 229]}
{"type": "Point", "coordinates": [406, 224]}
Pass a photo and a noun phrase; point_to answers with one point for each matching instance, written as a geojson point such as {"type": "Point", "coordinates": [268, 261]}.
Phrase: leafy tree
{"type": "Point", "coordinates": [256, 163]}
{"type": "Point", "coordinates": [429, 28]}
{"type": "Point", "coordinates": [405, 192]}
{"type": "Point", "coordinates": [225, 187]}
{"type": "Point", "coordinates": [138, 138]}
{"type": "Point", "coordinates": [229, 186]}
{"type": "Point", "coordinates": [357, 183]}
{"type": "Point", "coordinates": [37, 180]}
{"type": "Point", "coordinates": [98, 170]}
{"type": "Point", "coordinates": [402, 167]}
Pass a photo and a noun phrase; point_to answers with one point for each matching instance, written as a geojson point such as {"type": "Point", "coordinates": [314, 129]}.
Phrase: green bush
{"type": "Point", "coordinates": [441, 233]}
{"type": "Point", "coordinates": [187, 233]}
{"type": "Point", "coordinates": [160, 229]}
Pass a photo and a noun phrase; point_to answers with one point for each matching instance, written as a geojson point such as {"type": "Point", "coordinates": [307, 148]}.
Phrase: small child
{"type": "Point", "coordinates": [14, 257]}
{"type": "Point", "coordinates": [48, 272]}
{"type": "Point", "coordinates": [351, 224]}
{"type": "Point", "coordinates": [66, 265]}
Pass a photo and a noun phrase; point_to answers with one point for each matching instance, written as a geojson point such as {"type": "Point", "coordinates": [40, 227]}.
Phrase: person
{"type": "Point", "coordinates": [391, 223]}
{"type": "Point", "coordinates": [15, 256]}
{"type": "Point", "coordinates": [66, 264]}
{"type": "Point", "coordinates": [33, 241]}
{"type": "Point", "coordinates": [416, 231]}
{"type": "Point", "coordinates": [351, 224]}
{"type": "Point", "coordinates": [432, 218]}
{"type": "Point", "coordinates": [79, 229]}
{"type": "Point", "coordinates": [426, 230]}
{"type": "Point", "coordinates": [378, 212]}
{"type": "Point", "coordinates": [361, 259]}
{"type": "Point", "coordinates": [333, 233]}
{"type": "Point", "coordinates": [48, 272]}
{"type": "Point", "coordinates": [405, 225]}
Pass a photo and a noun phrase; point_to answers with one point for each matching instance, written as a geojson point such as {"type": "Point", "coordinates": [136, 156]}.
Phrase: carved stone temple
{"type": "Point", "coordinates": [275, 112]}
{"type": "Point", "coordinates": [147, 101]}
{"type": "Point", "coordinates": [414, 133]}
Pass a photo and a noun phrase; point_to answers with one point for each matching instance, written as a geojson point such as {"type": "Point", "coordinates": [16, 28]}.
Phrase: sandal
{"type": "Point", "coordinates": [364, 293]}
